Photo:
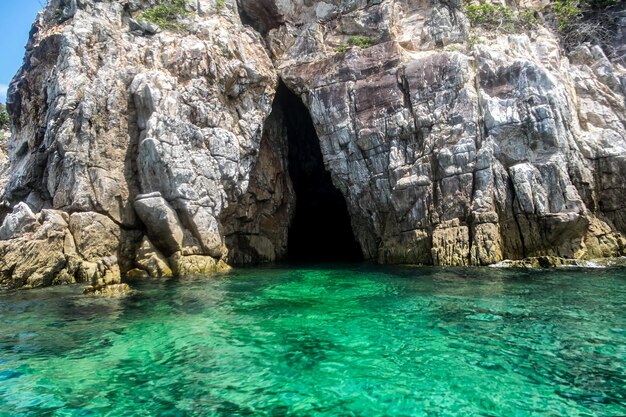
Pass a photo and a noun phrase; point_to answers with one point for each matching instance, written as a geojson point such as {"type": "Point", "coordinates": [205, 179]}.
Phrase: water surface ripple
{"type": "Point", "coordinates": [340, 340]}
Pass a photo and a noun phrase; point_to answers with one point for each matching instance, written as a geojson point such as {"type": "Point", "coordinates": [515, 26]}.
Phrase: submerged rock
{"type": "Point", "coordinates": [540, 262]}
{"type": "Point", "coordinates": [450, 145]}
{"type": "Point", "coordinates": [544, 262]}
{"type": "Point", "coordinates": [109, 291]}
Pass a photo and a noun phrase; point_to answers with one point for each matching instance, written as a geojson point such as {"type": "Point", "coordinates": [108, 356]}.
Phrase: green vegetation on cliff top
{"type": "Point", "coordinates": [576, 21]}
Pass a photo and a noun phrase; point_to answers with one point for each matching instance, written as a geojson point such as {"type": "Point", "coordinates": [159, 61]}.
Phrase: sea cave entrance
{"type": "Point", "coordinates": [320, 230]}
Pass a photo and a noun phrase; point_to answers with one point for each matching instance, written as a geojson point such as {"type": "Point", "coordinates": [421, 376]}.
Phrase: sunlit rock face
{"type": "Point", "coordinates": [104, 112]}
{"type": "Point", "coordinates": [450, 146]}
{"type": "Point", "coordinates": [451, 152]}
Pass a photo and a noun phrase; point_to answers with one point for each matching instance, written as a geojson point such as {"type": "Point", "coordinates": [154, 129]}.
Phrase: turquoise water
{"type": "Point", "coordinates": [349, 340]}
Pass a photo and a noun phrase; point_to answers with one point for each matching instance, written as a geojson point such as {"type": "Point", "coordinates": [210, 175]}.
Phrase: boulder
{"type": "Point", "coordinates": [152, 261]}
{"type": "Point", "coordinates": [196, 265]}
{"type": "Point", "coordinates": [19, 222]}
{"type": "Point", "coordinates": [161, 221]}
{"type": "Point", "coordinates": [36, 260]}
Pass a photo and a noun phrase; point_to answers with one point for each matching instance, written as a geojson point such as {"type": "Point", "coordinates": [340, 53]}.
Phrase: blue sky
{"type": "Point", "coordinates": [16, 17]}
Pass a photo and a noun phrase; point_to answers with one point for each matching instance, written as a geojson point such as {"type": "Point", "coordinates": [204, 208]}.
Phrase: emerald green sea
{"type": "Point", "coordinates": [323, 340]}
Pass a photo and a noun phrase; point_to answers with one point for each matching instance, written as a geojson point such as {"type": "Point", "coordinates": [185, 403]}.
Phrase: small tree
{"type": "Point", "coordinates": [4, 117]}
{"type": "Point", "coordinates": [579, 21]}
{"type": "Point", "coordinates": [362, 42]}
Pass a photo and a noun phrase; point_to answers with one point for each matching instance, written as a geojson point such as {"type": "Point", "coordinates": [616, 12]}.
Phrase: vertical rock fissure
{"type": "Point", "coordinates": [321, 228]}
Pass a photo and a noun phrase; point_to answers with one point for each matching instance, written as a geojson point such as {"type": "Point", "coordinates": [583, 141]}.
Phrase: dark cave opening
{"type": "Point", "coordinates": [321, 230]}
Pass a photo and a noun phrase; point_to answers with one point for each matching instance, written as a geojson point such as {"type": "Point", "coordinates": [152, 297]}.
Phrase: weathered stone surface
{"type": "Point", "coordinates": [196, 265]}
{"type": "Point", "coordinates": [137, 274]}
{"type": "Point", "coordinates": [447, 151]}
{"type": "Point", "coordinates": [256, 225]}
{"type": "Point", "coordinates": [61, 250]}
{"type": "Point", "coordinates": [99, 274]}
{"type": "Point", "coordinates": [486, 244]}
{"type": "Point", "coordinates": [5, 137]}
{"type": "Point", "coordinates": [519, 147]}
{"type": "Point", "coordinates": [204, 228]}
{"type": "Point", "coordinates": [18, 223]}
{"type": "Point", "coordinates": [152, 261]}
{"type": "Point", "coordinates": [412, 247]}
{"type": "Point", "coordinates": [451, 245]}
{"type": "Point", "coordinates": [161, 222]}
{"type": "Point", "coordinates": [35, 260]}
{"type": "Point", "coordinates": [96, 236]}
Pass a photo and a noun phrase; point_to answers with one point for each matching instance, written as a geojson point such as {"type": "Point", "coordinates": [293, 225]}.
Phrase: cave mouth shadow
{"type": "Point", "coordinates": [321, 229]}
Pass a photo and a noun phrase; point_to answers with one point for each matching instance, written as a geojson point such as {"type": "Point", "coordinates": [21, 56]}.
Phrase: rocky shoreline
{"type": "Point", "coordinates": [146, 152]}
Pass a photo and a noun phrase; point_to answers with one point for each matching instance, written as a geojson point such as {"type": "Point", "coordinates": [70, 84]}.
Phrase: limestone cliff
{"type": "Point", "coordinates": [145, 151]}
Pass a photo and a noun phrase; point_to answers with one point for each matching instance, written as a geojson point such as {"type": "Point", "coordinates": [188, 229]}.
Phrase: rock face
{"type": "Point", "coordinates": [55, 248]}
{"type": "Point", "coordinates": [457, 154]}
{"type": "Point", "coordinates": [256, 226]}
{"type": "Point", "coordinates": [154, 133]}
{"type": "Point", "coordinates": [450, 145]}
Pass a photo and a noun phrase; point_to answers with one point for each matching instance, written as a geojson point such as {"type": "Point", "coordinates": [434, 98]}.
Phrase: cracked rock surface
{"type": "Point", "coordinates": [140, 149]}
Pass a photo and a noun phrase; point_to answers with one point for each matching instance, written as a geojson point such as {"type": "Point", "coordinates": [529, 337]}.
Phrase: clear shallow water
{"type": "Point", "coordinates": [327, 341]}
